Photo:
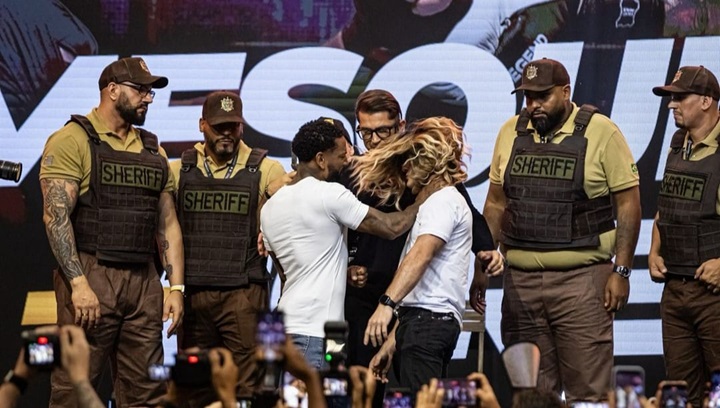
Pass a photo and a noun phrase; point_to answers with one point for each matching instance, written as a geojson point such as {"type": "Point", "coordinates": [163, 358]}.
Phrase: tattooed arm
{"type": "Point", "coordinates": [169, 239]}
{"type": "Point", "coordinates": [59, 199]}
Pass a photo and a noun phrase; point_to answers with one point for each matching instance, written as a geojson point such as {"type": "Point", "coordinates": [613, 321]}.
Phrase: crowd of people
{"type": "Point", "coordinates": [383, 240]}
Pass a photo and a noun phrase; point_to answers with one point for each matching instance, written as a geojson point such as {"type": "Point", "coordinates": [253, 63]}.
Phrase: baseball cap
{"type": "Point", "coordinates": [543, 74]}
{"type": "Point", "coordinates": [222, 107]}
{"type": "Point", "coordinates": [131, 69]}
{"type": "Point", "coordinates": [691, 79]}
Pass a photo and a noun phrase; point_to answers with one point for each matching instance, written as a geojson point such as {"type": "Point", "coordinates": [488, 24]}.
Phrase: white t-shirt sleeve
{"type": "Point", "coordinates": [344, 207]}
{"type": "Point", "coordinates": [437, 216]}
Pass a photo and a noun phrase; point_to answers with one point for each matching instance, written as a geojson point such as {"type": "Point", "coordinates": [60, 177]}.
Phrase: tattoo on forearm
{"type": "Point", "coordinates": [59, 201]}
{"type": "Point", "coordinates": [87, 398]}
{"type": "Point", "coordinates": [164, 247]}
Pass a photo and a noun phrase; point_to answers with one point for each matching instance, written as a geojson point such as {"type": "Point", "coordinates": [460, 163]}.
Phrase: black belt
{"type": "Point", "coordinates": [418, 311]}
{"type": "Point", "coordinates": [675, 276]}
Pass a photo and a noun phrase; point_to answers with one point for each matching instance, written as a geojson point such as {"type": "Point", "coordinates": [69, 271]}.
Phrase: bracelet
{"type": "Point", "coordinates": [180, 288]}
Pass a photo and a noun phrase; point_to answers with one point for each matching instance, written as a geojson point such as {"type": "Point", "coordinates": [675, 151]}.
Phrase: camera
{"type": "Point", "coordinates": [459, 392]}
{"type": "Point", "coordinates": [629, 385]}
{"type": "Point", "coordinates": [192, 370]}
{"type": "Point", "coordinates": [10, 171]}
{"type": "Point", "coordinates": [337, 386]}
{"type": "Point", "coordinates": [41, 350]}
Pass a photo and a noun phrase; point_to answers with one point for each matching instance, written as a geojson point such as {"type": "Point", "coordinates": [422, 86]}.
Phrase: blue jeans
{"type": "Point", "coordinates": [425, 344]}
{"type": "Point", "coordinates": [312, 348]}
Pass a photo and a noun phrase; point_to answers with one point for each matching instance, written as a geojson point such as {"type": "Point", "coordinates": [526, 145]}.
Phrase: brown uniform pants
{"type": "Point", "coordinates": [226, 318]}
{"type": "Point", "coordinates": [691, 334]}
{"type": "Point", "coordinates": [563, 313]}
{"type": "Point", "coordinates": [129, 334]}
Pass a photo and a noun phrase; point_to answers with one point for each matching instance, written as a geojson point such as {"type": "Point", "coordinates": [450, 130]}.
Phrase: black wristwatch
{"type": "Point", "coordinates": [623, 271]}
{"type": "Point", "coordinates": [18, 381]}
{"type": "Point", "coordinates": [387, 301]}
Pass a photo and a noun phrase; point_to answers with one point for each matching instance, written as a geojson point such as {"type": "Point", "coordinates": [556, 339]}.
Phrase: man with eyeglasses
{"type": "Point", "coordinates": [685, 249]}
{"type": "Point", "coordinates": [221, 185]}
{"type": "Point", "coordinates": [375, 259]}
{"type": "Point", "coordinates": [108, 207]}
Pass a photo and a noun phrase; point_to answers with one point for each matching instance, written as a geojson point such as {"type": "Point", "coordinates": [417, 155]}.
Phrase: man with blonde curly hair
{"type": "Point", "coordinates": [429, 285]}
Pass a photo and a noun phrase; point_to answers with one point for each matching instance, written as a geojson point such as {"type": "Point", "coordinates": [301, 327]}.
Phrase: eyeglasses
{"type": "Point", "coordinates": [141, 90]}
{"type": "Point", "coordinates": [382, 132]}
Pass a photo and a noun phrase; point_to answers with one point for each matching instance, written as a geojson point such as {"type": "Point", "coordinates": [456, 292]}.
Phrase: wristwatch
{"type": "Point", "coordinates": [179, 288]}
{"type": "Point", "coordinates": [623, 271]}
{"type": "Point", "coordinates": [387, 301]}
{"type": "Point", "coordinates": [18, 381]}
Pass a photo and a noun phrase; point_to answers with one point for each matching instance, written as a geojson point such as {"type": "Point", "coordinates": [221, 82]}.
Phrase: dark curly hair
{"type": "Point", "coordinates": [317, 136]}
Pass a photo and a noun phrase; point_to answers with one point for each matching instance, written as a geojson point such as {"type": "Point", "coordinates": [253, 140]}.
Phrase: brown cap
{"type": "Point", "coordinates": [695, 80]}
{"type": "Point", "coordinates": [132, 69]}
{"type": "Point", "coordinates": [222, 107]}
{"type": "Point", "coordinates": [543, 74]}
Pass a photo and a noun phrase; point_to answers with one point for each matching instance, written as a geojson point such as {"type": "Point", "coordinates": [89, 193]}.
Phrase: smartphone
{"type": "Point", "coordinates": [673, 394]}
{"type": "Point", "coordinates": [629, 385]}
{"type": "Point", "coordinates": [398, 399]}
{"type": "Point", "coordinates": [192, 370]}
{"type": "Point", "coordinates": [459, 392]}
{"type": "Point", "coordinates": [294, 391]}
{"type": "Point", "coordinates": [336, 388]}
{"type": "Point", "coordinates": [714, 397]}
{"type": "Point", "coordinates": [270, 336]}
{"type": "Point", "coordinates": [159, 372]}
{"type": "Point", "coordinates": [42, 351]}
{"type": "Point", "coordinates": [335, 378]}
{"type": "Point", "coordinates": [293, 161]}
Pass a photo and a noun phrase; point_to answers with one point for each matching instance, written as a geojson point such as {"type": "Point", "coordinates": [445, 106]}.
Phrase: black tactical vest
{"type": "Point", "coordinates": [219, 222]}
{"type": "Point", "coordinates": [688, 222]}
{"type": "Point", "coordinates": [116, 219]}
{"type": "Point", "coordinates": [547, 207]}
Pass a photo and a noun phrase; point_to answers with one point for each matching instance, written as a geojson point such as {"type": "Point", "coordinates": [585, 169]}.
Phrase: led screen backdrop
{"type": "Point", "coordinates": [295, 61]}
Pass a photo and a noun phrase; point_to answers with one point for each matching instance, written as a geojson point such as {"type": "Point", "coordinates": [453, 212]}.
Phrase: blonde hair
{"type": "Point", "coordinates": [431, 148]}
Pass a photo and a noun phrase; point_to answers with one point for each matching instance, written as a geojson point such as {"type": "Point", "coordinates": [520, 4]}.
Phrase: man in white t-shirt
{"type": "Point", "coordinates": [304, 226]}
{"type": "Point", "coordinates": [428, 290]}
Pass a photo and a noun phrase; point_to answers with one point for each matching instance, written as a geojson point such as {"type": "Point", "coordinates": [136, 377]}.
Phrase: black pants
{"type": "Point", "coordinates": [357, 312]}
{"type": "Point", "coordinates": [425, 344]}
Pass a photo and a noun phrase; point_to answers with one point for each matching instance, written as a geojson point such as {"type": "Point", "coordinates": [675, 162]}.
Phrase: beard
{"type": "Point", "coordinates": [222, 150]}
{"type": "Point", "coordinates": [129, 113]}
{"type": "Point", "coordinates": [547, 122]}
{"type": "Point", "coordinates": [333, 176]}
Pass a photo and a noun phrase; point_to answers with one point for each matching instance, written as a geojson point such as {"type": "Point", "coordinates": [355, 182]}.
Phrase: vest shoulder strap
{"type": "Point", "coordinates": [256, 157]}
{"type": "Point", "coordinates": [582, 119]}
{"type": "Point", "coordinates": [149, 140]}
{"type": "Point", "coordinates": [678, 139]}
{"type": "Point", "coordinates": [188, 159]}
{"type": "Point", "coordinates": [522, 123]}
{"type": "Point", "coordinates": [84, 122]}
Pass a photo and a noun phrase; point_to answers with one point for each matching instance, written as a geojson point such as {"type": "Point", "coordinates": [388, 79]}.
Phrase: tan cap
{"type": "Point", "coordinates": [543, 74]}
{"type": "Point", "coordinates": [222, 107]}
{"type": "Point", "coordinates": [131, 69]}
